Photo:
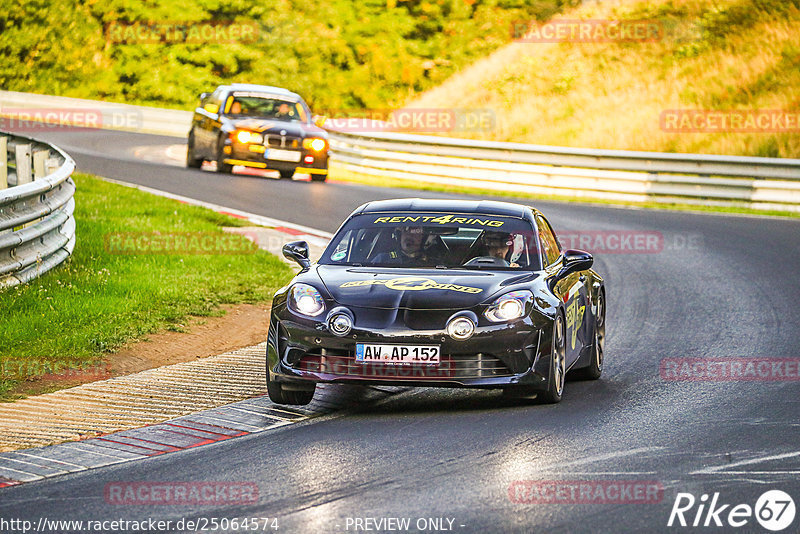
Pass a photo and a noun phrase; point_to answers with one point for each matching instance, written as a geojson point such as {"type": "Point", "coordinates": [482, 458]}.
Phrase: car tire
{"type": "Point", "coordinates": [286, 175]}
{"type": "Point", "coordinates": [222, 167]}
{"type": "Point", "coordinates": [595, 369]}
{"type": "Point", "coordinates": [192, 161]}
{"type": "Point", "coordinates": [553, 393]}
{"type": "Point", "coordinates": [279, 395]}
{"type": "Point", "coordinates": [558, 362]}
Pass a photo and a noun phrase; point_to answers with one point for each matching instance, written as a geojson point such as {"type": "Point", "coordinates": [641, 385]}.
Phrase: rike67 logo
{"type": "Point", "coordinates": [774, 510]}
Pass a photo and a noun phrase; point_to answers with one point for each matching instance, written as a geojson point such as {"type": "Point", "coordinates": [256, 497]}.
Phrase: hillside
{"type": "Point", "coordinates": [723, 55]}
{"type": "Point", "coordinates": [340, 54]}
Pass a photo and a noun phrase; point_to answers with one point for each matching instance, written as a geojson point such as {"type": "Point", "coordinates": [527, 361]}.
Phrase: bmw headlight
{"type": "Point", "coordinates": [246, 136]}
{"type": "Point", "coordinates": [509, 306]}
{"type": "Point", "coordinates": [306, 300]}
{"type": "Point", "coordinates": [315, 143]}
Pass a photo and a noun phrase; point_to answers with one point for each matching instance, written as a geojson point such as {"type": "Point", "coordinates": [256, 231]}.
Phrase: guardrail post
{"type": "Point", "coordinates": [39, 159]}
{"type": "Point", "coordinates": [23, 162]}
{"type": "Point", "coordinates": [3, 162]}
{"type": "Point", "coordinates": [51, 165]}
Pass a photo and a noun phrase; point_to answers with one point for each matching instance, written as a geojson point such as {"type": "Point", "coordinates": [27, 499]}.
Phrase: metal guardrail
{"type": "Point", "coordinates": [762, 183]}
{"type": "Point", "coordinates": [37, 229]}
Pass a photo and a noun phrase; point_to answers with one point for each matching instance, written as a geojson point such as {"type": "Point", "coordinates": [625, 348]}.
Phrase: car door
{"type": "Point", "coordinates": [571, 290]}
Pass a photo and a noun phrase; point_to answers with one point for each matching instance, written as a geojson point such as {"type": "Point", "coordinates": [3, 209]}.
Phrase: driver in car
{"type": "Point", "coordinates": [283, 112]}
{"type": "Point", "coordinates": [409, 248]}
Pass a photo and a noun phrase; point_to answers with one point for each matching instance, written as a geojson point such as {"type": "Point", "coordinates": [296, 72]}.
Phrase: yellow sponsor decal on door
{"type": "Point", "coordinates": [574, 319]}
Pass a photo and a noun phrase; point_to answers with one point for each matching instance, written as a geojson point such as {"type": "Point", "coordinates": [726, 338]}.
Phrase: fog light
{"type": "Point", "coordinates": [340, 324]}
{"type": "Point", "coordinates": [461, 328]}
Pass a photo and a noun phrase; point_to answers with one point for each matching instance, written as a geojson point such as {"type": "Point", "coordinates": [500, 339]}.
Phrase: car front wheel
{"type": "Point", "coordinates": [192, 161]}
{"type": "Point", "coordinates": [558, 363]}
{"type": "Point", "coordinates": [281, 395]}
{"type": "Point", "coordinates": [595, 368]}
{"type": "Point", "coordinates": [221, 165]}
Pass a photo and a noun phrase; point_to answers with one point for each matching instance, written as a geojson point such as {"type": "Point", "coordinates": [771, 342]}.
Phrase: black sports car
{"type": "Point", "coordinates": [260, 127]}
{"type": "Point", "coordinates": [438, 293]}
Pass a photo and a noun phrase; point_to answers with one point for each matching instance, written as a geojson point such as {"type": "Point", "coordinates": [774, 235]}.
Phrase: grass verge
{"type": "Point", "coordinates": [101, 298]}
{"type": "Point", "coordinates": [718, 56]}
{"type": "Point", "coordinates": [341, 175]}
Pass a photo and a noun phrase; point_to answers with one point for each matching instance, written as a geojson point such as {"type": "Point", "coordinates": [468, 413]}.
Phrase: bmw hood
{"type": "Point", "coordinates": [418, 289]}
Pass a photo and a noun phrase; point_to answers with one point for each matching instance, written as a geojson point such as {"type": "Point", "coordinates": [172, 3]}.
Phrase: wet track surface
{"type": "Point", "coordinates": [718, 286]}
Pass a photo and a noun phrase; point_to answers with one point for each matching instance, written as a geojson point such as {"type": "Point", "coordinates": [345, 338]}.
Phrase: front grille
{"type": "Point", "coordinates": [451, 366]}
{"type": "Point", "coordinates": [281, 141]}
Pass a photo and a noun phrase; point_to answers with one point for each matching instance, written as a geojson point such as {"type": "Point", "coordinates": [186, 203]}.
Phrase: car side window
{"type": "Point", "coordinates": [552, 250]}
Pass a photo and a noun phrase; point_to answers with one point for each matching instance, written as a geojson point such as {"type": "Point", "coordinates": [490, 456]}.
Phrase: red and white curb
{"type": "Point", "coordinates": [243, 418]}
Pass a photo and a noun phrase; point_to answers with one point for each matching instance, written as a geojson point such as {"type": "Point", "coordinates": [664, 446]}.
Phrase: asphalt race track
{"type": "Point", "coordinates": [715, 287]}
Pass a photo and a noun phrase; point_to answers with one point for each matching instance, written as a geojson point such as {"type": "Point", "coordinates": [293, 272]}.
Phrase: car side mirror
{"type": "Point", "coordinates": [573, 261]}
{"type": "Point", "coordinates": [319, 120]}
{"type": "Point", "coordinates": [211, 108]}
{"type": "Point", "coordinates": [203, 96]}
{"type": "Point", "coordinates": [297, 251]}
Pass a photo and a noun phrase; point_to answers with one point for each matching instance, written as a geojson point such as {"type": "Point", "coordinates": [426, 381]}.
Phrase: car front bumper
{"type": "Point", "coordinates": [252, 155]}
{"type": "Point", "coordinates": [499, 355]}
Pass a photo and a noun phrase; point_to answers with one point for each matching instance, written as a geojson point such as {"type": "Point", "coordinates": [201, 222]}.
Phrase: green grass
{"type": "Point", "coordinates": [71, 317]}
{"type": "Point", "coordinates": [381, 181]}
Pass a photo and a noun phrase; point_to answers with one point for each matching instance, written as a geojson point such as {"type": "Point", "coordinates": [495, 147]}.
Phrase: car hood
{"type": "Point", "coordinates": [295, 129]}
{"type": "Point", "coordinates": [419, 289]}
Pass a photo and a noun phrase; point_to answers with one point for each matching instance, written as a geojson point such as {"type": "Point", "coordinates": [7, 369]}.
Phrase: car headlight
{"type": "Point", "coordinates": [315, 144]}
{"type": "Point", "coordinates": [509, 306]}
{"type": "Point", "coordinates": [306, 300]}
{"type": "Point", "coordinates": [246, 136]}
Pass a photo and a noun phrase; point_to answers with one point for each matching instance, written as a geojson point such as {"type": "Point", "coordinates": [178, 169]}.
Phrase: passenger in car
{"type": "Point", "coordinates": [496, 245]}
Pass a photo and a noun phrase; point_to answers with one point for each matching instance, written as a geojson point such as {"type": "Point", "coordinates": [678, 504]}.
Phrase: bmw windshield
{"type": "Point", "coordinates": [264, 106]}
{"type": "Point", "coordinates": [435, 240]}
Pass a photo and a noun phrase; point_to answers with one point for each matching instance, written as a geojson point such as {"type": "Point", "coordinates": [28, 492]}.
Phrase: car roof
{"type": "Point", "coordinates": [488, 207]}
{"type": "Point", "coordinates": [262, 88]}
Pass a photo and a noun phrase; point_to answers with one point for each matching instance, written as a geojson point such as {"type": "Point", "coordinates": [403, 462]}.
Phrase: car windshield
{"type": "Point", "coordinates": [435, 240]}
{"type": "Point", "coordinates": [266, 106]}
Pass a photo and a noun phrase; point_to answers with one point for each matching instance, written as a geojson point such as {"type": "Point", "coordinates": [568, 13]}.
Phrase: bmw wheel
{"type": "Point", "coordinates": [221, 165]}
{"type": "Point", "coordinates": [192, 161]}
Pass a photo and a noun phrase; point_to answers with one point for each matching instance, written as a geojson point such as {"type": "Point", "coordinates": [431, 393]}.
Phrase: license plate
{"type": "Point", "coordinates": [397, 354]}
{"type": "Point", "coordinates": [282, 155]}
